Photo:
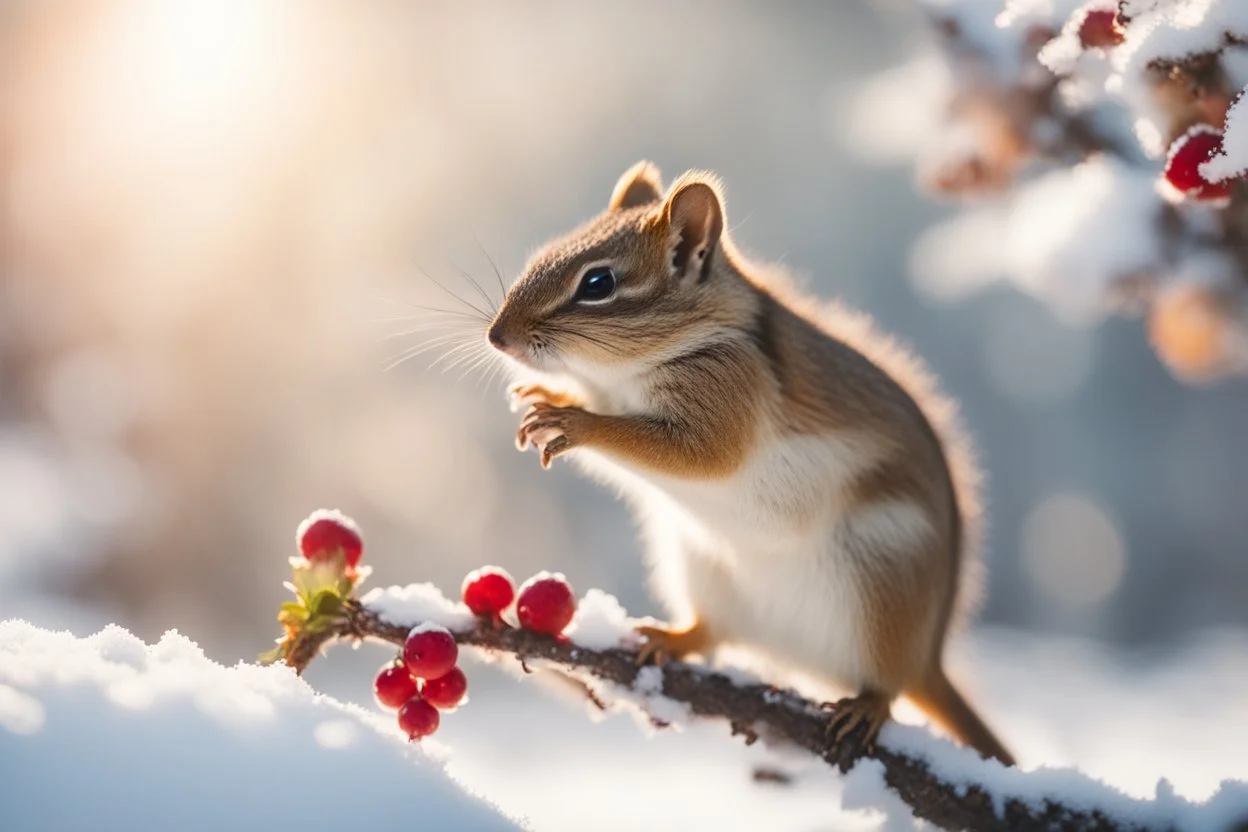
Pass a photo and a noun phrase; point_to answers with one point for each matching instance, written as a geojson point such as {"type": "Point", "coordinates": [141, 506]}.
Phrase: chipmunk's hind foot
{"type": "Point", "coordinates": [854, 725]}
{"type": "Point", "coordinates": [663, 644]}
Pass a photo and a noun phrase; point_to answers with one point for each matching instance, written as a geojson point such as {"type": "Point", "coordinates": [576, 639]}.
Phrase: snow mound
{"type": "Point", "coordinates": [419, 604]}
{"type": "Point", "coordinates": [107, 732]}
{"type": "Point", "coordinates": [601, 623]}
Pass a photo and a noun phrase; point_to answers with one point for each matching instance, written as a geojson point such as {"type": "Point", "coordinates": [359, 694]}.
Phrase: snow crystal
{"type": "Point", "coordinates": [1020, 13]}
{"type": "Point", "coordinates": [1163, 30]}
{"type": "Point", "coordinates": [428, 627]}
{"type": "Point", "coordinates": [205, 747]}
{"type": "Point", "coordinates": [601, 623]}
{"type": "Point", "coordinates": [1233, 160]}
{"type": "Point", "coordinates": [644, 700]}
{"type": "Point", "coordinates": [331, 514]}
{"type": "Point", "coordinates": [1065, 54]}
{"type": "Point", "coordinates": [417, 604]}
{"type": "Point", "coordinates": [649, 680]}
{"type": "Point", "coordinates": [1171, 29]}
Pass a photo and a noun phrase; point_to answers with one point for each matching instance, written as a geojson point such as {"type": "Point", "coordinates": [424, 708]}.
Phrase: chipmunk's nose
{"type": "Point", "coordinates": [497, 338]}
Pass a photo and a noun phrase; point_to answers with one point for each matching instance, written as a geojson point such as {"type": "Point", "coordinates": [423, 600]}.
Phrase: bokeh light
{"type": "Point", "coordinates": [1072, 550]}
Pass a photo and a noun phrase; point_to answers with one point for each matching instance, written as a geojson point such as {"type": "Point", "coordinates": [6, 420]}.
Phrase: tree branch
{"type": "Point", "coordinates": [749, 708]}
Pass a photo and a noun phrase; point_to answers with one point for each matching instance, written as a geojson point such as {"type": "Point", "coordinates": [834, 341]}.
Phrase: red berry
{"type": "Point", "coordinates": [394, 685]}
{"type": "Point", "coordinates": [1100, 29]}
{"type": "Point", "coordinates": [445, 692]}
{"type": "Point", "coordinates": [546, 604]}
{"type": "Point", "coordinates": [488, 590]}
{"type": "Point", "coordinates": [418, 719]}
{"type": "Point", "coordinates": [1187, 154]}
{"type": "Point", "coordinates": [430, 651]}
{"type": "Point", "coordinates": [327, 530]}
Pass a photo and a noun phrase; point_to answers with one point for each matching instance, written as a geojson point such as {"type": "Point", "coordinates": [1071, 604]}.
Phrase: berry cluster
{"type": "Point", "coordinates": [1102, 26]}
{"type": "Point", "coordinates": [425, 680]}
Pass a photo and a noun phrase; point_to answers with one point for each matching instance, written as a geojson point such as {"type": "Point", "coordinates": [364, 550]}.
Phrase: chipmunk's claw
{"type": "Point", "coordinates": [551, 430]}
{"type": "Point", "coordinates": [663, 645]}
{"type": "Point", "coordinates": [854, 726]}
{"type": "Point", "coordinates": [526, 395]}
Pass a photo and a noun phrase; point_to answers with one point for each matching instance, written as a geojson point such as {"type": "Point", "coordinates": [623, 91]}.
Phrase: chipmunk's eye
{"type": "Point", "coordinates": [597, 284]}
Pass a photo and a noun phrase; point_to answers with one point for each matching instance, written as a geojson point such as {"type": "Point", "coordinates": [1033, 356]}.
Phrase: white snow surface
{"type": "Point", "coordinates": [107, 733]}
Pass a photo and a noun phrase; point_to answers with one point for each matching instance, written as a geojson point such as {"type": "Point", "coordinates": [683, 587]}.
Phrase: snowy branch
{"type": "Point", "coordinates": [1100, 148]}
{"type": "Point", "coordinates": [753, 710]}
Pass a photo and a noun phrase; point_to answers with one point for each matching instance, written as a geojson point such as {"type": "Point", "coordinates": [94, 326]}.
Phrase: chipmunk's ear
{"type": "Point", "coordinates": [695, 217]}
{"type": "Point", "coordinates": [639, 185]}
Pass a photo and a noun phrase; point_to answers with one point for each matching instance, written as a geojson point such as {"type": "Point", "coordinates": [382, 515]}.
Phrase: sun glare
{"type": "Point", "coordinates": [194, 68]}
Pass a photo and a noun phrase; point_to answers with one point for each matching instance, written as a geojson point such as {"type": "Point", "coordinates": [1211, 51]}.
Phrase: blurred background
{"type": "Point", "coordinates": [216, 215]}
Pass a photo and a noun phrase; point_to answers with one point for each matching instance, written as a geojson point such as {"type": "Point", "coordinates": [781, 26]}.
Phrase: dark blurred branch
{"type": "Point", "coordinates": [750, 710]}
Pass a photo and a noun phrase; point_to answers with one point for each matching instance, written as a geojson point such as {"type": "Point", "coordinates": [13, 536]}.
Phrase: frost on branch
{"type": "Point", "coordinates": [1101, 148]}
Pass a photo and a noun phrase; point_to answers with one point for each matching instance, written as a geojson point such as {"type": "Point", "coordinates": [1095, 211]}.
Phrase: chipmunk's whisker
{"type": "Point", "coordinates": [482, 314]}
{"type": "Point", "coordinates": [489, 302]}
{"type": "Point", "coordinates": [438, 310]}
{"type": "Point", "coordinates": [487, 358]}
{"type": "Point", "coordinates": [593, 339]}
{"type": "Point", "coordinates": [413, 351]}
{"type": "Point", "coordinates": [455, 355]}
{"type": "Point", "coordinates": [502, 288]}
{"type": "Point", "coordinates": [441, 340]}
{"type": "Point", "coordinates": [496, 368]}
{"type": "Point", "coordinates": [428, 326]}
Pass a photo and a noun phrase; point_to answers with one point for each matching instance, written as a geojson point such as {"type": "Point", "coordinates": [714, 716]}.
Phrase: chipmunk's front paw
{"type": "Point", "coordinates": [854, 725]}
{"type": "Point", "coordinates": [525, 395]}
{"type": "Point", "coordinates": [552, 430]}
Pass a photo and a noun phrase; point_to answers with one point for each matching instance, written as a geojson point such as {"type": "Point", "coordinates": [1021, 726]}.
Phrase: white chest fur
{"type": "Point", "coordinates": [755, 556]}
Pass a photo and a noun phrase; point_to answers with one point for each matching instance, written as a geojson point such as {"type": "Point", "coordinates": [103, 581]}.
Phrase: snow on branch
{"type": "Point", "coordinates": [948, 786]}
{"type": "Point", "coordinates": [1101, 147]}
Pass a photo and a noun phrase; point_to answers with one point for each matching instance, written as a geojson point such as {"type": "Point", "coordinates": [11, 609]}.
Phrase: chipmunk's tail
{"type": "Point", "coordinates": [940, 700]}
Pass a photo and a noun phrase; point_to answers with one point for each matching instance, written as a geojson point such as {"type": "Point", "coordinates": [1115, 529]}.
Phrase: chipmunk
{"type": "Point", "coordinates": [802, 489]}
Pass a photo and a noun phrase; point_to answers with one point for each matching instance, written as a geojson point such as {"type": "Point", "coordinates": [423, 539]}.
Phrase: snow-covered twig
{"type": "Point", "coordinates": [750, 709]}
{"type": "Point", "coordinates": [1101, 149]}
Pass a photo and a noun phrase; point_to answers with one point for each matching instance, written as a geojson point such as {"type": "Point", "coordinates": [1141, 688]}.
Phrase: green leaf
{"type": "Point", "coordinates": [312, 576]}
{"type": "Point", "coordinates": [292, 621]}
{"type": "Point", "coordinates": [304, 582]}
{"type": "Point", "coordinates": [325, 603]}
{"type": "Point", "coordinates": [272, 656]}
{"type": "Point", "coordinates": [295, 608]}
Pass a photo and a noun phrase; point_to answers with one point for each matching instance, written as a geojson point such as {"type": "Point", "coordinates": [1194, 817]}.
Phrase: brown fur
{"type": "Point", "coordinates": [730, 352]}
{"type": "Point", "coordinates": [937, 696]}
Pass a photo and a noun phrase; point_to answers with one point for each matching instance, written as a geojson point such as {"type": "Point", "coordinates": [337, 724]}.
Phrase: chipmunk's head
{"type": "Point", "coordinates": [641, 281]}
